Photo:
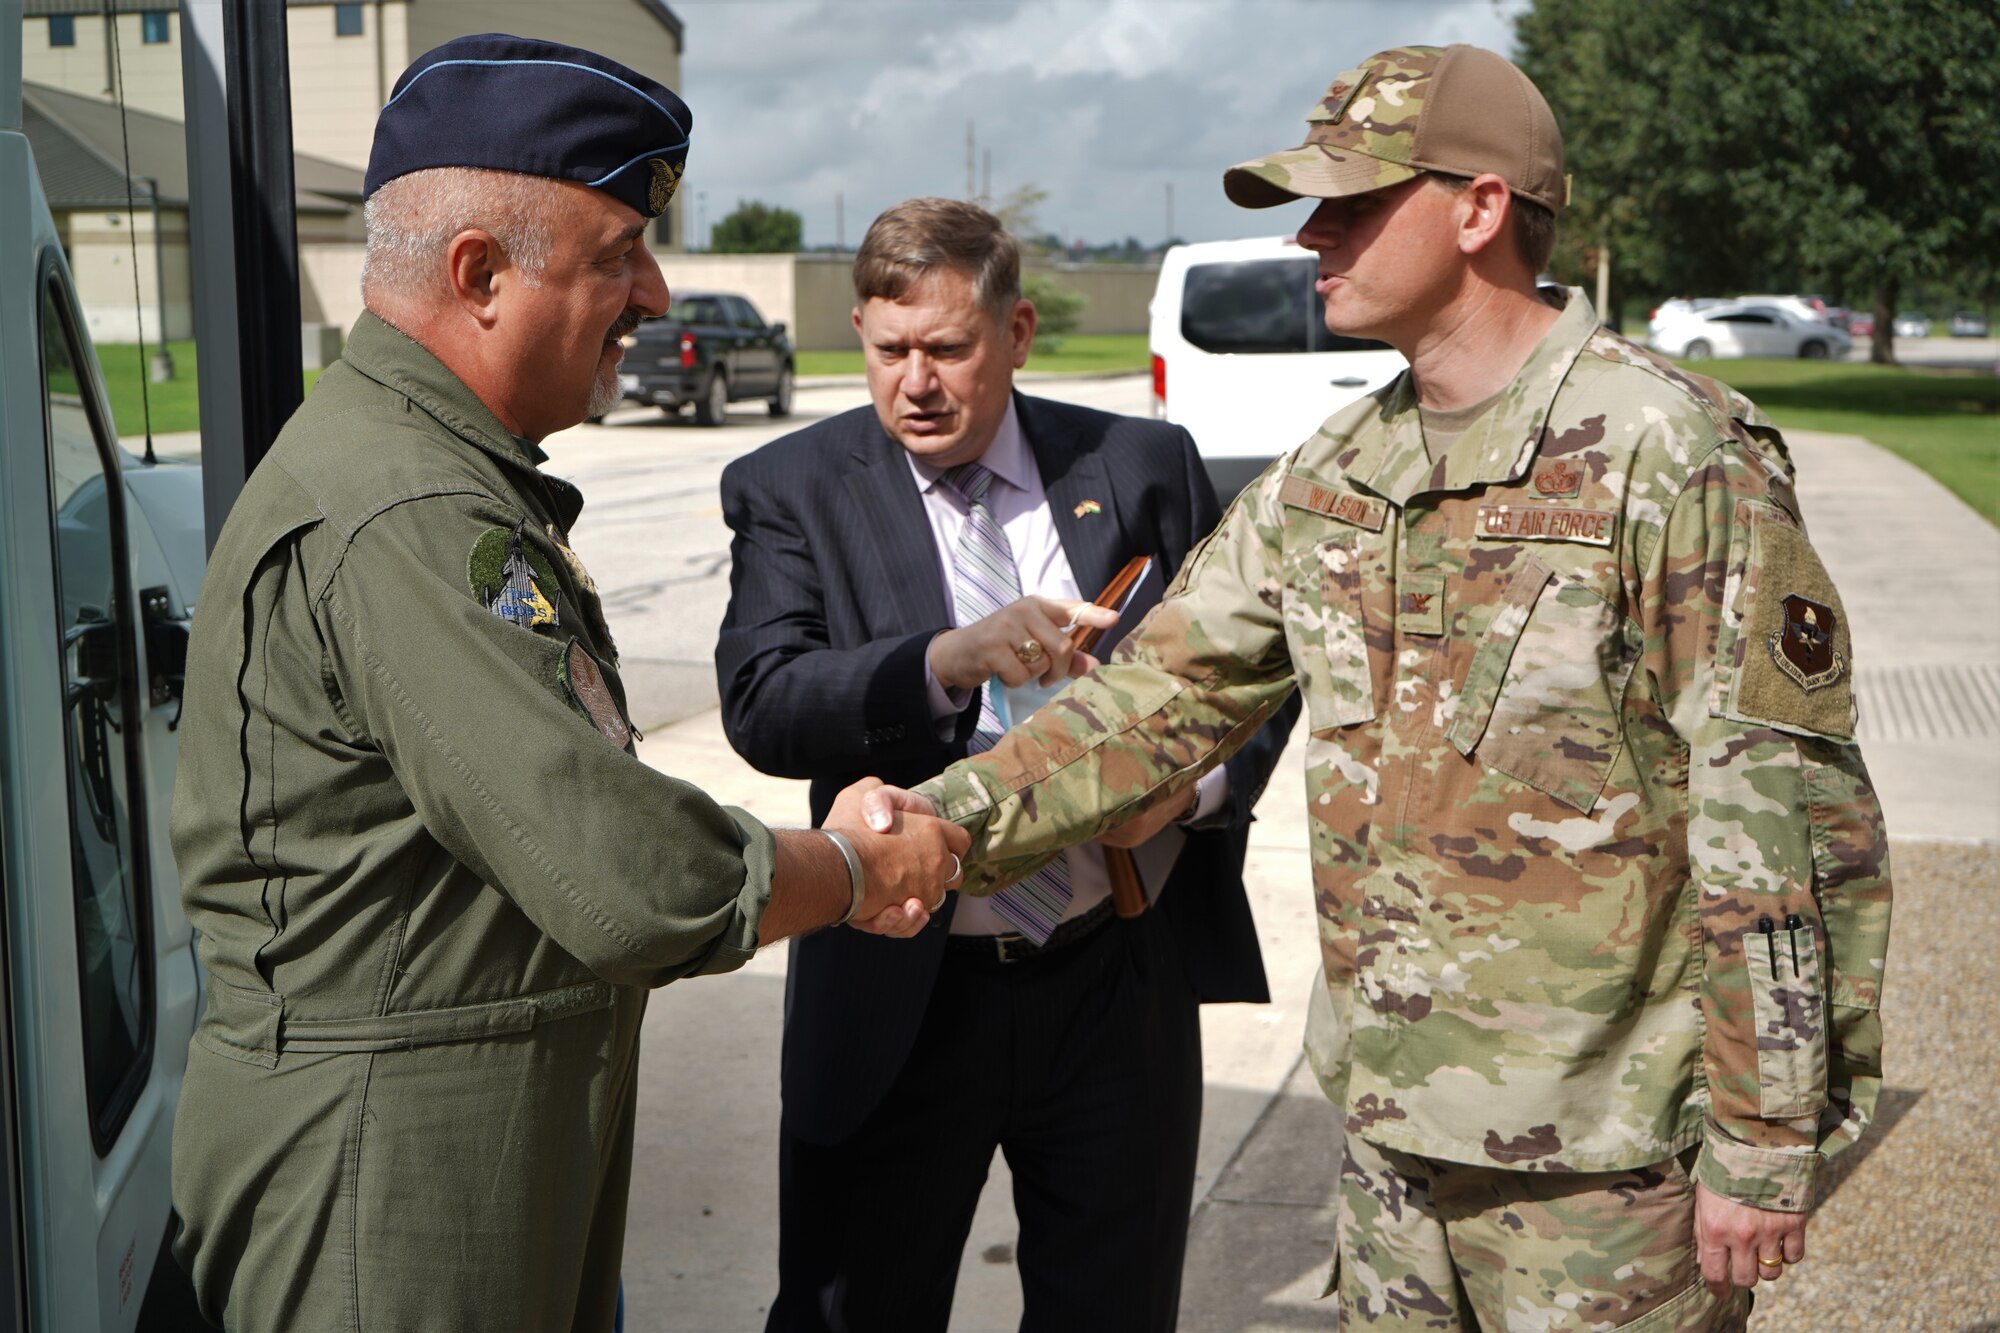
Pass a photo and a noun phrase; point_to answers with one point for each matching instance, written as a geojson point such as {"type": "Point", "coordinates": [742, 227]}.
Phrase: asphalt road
{"type": "Point", "coordinates": [652, 533]}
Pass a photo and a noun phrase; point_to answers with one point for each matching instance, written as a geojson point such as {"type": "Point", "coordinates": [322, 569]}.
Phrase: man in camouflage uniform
{"type": "Point", "coordinates": [1602, 883]}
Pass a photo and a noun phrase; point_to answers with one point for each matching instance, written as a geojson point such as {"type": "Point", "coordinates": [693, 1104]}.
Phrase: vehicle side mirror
{"type": "Point", "coordinates": [779, 327]}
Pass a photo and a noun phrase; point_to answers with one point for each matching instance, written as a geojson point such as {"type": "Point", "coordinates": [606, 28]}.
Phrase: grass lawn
{"type": "Point", "coordinates": [175, 406]}
{"type": "Point", "coordinates": [1946, 422]}
{"type": "Point", "coordinates": [1080, 353]}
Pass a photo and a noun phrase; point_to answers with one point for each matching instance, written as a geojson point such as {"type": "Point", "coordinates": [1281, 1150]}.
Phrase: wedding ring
{"type": "Point", "coordinates": [1029, 651]}
{"type": "Point", "coordinates": [957, 869]}
{"type": "Point", "coordinates": [1769, 1263]}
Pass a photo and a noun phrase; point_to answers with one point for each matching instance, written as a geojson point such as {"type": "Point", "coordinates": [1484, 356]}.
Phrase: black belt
{"type": "Point", "coordinates": [1013, 947]}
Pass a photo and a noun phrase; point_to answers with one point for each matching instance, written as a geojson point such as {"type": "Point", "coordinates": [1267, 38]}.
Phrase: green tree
{"type": "Point", "coordinates": [1842, 145]}
{"type": "Point", "coordinates": [757, 229]}
{"type": "Point", "coordinates": [1058, 310]}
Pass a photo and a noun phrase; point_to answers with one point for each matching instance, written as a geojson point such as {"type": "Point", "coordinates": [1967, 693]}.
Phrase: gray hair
{"type": "Point", "coordinates": [413, 217]}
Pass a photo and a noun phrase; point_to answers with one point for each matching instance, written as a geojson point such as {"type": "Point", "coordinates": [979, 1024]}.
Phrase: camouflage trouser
{"type": "Point", "coordinates": [1426, 1244]}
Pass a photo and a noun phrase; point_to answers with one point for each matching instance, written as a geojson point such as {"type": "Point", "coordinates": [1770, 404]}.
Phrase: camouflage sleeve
{"type": "Point", "coordinates": [1748, 649]}
{"type": "Point", "coordinates": [1182, 693]}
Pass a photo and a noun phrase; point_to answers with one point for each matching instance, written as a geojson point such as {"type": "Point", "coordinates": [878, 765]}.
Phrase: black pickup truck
{"type": "Point", "coordinates": [710, 349]}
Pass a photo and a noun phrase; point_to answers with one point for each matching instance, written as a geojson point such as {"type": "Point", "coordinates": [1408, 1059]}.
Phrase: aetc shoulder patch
{"type": "Point", "coordinates": [513, 580]}
{"type": "Point", "coordinates": [584, 680]}
{"type": "Point", "coordinates": [1794, 660]}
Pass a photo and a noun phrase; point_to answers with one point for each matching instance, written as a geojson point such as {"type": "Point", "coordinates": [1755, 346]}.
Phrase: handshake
{"type": "Point", "coordinates": [909, 859]}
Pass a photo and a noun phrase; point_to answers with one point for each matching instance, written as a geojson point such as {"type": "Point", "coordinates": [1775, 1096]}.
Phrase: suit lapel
{"type": "Point", "coordinates": [1075, 480]}
{"type": "Point", "coordinates": [907, 592]}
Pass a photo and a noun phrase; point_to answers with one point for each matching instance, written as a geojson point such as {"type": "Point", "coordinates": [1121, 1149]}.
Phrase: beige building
{"type": "Point", "coordinates": [344, 59]}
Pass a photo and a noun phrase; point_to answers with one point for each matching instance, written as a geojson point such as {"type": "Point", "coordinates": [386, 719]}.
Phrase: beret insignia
{"type": "Point", "coordinates": [666, 179]}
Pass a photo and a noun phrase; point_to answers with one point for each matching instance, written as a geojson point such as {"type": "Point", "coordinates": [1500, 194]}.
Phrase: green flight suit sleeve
{"type": "Point", "coordinates": [638, 875]}
{"type": "Point", "coordinates": [1748, 650]}
{"type": "Point", "coordinates": [1180, 694]}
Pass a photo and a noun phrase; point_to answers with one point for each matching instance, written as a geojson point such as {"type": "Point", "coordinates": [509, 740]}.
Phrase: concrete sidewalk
{"type": "Point", "coordinates": [1920, 576]}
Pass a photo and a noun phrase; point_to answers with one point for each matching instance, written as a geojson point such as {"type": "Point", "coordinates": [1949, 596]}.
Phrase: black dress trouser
{"type": "Point", "coordinates": [1084, 1068]}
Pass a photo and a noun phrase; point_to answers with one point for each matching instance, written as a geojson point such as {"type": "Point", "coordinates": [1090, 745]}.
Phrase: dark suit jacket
{"type": "Point", "coordinates": [836, 590]}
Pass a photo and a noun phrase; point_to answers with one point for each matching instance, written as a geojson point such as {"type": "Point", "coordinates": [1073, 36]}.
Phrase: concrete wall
{"type": "Point", "coordinates": [100, 249]}
{"type": "Point", "coordinates": [1115, 296]}
{"type": "Point", "coordinates": [765, 279]}
{"type": "Point", "coordinates": [825, 302]}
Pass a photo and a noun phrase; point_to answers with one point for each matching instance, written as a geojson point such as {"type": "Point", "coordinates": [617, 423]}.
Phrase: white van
{"type": "Point", "coordinates": [101, 558]}
{"type": "Point", "coordinates": [1242, 356]}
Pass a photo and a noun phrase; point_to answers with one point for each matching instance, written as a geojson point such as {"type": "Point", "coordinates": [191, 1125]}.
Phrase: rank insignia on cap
{"type": "Point", "coordinates": [509, 577]}
{"type": "Point", "coordinates": [666, 179]}
{"type": "Point", "coordinates": [1089, 507]}
{"type": "Point", "coordinates": [1559, 481]}
{"type": "Point", "coordinates": [1803, 648]}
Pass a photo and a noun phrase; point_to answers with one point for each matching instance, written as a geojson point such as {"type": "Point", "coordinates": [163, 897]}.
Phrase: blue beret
{"type": "Point", "coordinates": [539, 108]}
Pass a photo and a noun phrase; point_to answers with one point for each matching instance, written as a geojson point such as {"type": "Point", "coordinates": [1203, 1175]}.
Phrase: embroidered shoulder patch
{"type": "Point", "coordinates": [1361, 510]}
{"type": "Point", "coordinates": [583, 679]}
{"type": "Point", "coordinates": [1793, 654]}
{"type": "Point", "coordinates": [512, 579]}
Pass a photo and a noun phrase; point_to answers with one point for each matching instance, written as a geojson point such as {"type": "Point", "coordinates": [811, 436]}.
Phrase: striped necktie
{"type": "Point", "coordinates": [984, 579]}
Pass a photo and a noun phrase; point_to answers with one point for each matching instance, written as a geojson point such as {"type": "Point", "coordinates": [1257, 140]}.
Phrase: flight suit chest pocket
{"type": "Point", "coordinates": [1543, 699]}
{"type": "Point", "coordinates": [1322, 604]}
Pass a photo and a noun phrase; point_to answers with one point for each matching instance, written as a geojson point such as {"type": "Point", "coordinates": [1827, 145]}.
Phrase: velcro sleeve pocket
{"type": "Point", "coordinates": [1788, 992]}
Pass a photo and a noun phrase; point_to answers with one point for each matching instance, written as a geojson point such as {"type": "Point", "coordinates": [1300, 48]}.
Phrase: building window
{"type": "Point", "coordinates": [62, 30]}
{"type": "Point", "coordinates": [153, 26]}
{"type": "Point", "coordinates": [347, 20]}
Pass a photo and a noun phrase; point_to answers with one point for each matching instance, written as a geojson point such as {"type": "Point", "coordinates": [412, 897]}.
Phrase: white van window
{"type": "Point", "coordinates": [101, 728]}
{"type": "Point", "coordinates": [1259, 306]}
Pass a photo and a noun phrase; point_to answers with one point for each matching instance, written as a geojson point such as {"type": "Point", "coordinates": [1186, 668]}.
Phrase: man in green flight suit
{"type": "Point", "coordinates": [432, 881]}
{"type": "Point", "coordinates": [1602, 883]}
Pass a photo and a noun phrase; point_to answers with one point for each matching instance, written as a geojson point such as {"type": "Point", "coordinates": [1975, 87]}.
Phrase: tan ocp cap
{"type": "Point", "coordinates": [1460, 110]}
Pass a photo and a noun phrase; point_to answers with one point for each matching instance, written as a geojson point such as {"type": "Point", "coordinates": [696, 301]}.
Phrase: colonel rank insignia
{"type": "Point", "coordinates": [509, 580]}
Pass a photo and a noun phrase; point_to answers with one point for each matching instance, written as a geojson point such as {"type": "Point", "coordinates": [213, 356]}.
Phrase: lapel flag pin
{"type": "Point", "coordinates": [1089, 507]}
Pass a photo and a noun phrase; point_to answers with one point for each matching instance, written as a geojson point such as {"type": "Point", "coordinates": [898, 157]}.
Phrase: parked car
{"type": "Point", "coordinates": [710, 349]}
{"type": "Point", "coordinates": [1913, 324]}
{"type": "Point", "coordinates": [1242, 357]}
{"type": "Point", "coordinates": [1748, 330]}
{"type": "Point", "coordinates": [1968, 324]}
{"type": "Point", "coordinates": [1679, 305]}
{"type": "Point", "coordinates": [1860, 326]}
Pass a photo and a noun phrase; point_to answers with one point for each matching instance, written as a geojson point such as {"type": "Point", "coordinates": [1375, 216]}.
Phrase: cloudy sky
{"type": "Point", "coordinates": [1102, 103]}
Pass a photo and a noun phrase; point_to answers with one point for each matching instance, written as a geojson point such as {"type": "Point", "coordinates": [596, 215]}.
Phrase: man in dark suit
{"type": "Point", "coordinates": [889, 566]}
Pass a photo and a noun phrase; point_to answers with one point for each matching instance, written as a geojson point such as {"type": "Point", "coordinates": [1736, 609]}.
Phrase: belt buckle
{"type": "Point", "coordinates": [1014, 948]}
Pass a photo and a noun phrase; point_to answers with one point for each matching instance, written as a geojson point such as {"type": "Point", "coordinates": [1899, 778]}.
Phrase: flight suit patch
{"type": "Point", "coordinates": [1545, 523]}
{"type": "Point", "coordinates": [513, 580]}
{"type": "Point", "coordinates": [1420, 603]}
{"type": "Point", "coordinates": [583, 679]}
{"type": "Point", "coordinates": [1360, 510]}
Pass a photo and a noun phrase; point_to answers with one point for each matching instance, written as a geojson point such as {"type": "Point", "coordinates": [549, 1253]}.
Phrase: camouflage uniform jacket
{"type": "Point", "coordinates": [1598, 867]}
